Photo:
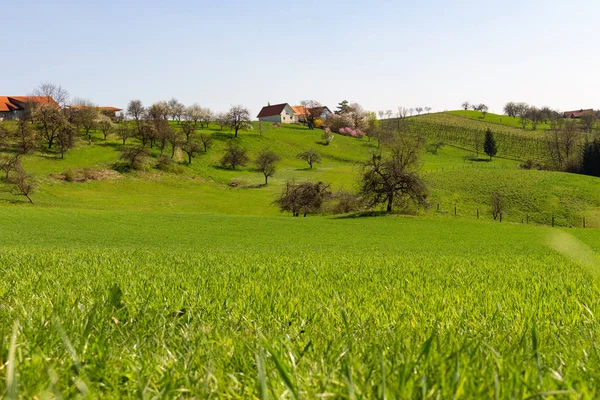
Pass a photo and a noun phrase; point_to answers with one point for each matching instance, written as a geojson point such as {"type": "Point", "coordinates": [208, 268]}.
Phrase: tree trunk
{"type": "Point", "coordinates": [173, 153]}
{"type": "Point", "coordinates": [28, 198]}
{"type": "Point", "coordinates": [266, 180]}
{"type": "Point", "coordinates": [236, 131]}
{"type": "Point", "coordinates": [189, 158]}
{"type": "Point", "coordinates": [390, 203]}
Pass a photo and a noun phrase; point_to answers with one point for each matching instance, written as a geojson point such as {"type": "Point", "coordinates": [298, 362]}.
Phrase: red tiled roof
{"type": "Point", "coordinates": [109, 108]}
{"type": "Point", "coordinates": [577, 114]}
{"type": "Point", "coordinates": [300, 110]}
{"type": "Point", "coordinates": [10, 103]}
{"type": "Point", "coordinates": [269, 111]}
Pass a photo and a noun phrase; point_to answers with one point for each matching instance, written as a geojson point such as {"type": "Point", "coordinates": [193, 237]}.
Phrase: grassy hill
{"type": "Point", "coordinates": [205, 187]}
{"type": "Point", "coordinates": [498, 119]}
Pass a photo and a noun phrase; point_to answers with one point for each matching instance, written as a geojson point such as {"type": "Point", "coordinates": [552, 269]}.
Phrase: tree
{"type": "Point", "coordinates": [343, 108]}
{"type": "Point", "coordinates": [483, 109]}
{"type": "Point", "coordinates": [49, 90]}
{"type": "Point", "coordinates": [238, 118]}
{"type": "Point", "coordinates": [427, 109]}
{"type": "Point", "coordinates": [206, 141]}
{"type": "Point", "coordinates": [371, 128]}
{"type": "Point", "coordinates": [303, 198]}
{"type": "Point", "coordinates": [510, 109]}
{"type": "Point", "coordinates": [419, 110]}
{"type": "Point", "coordinates": [191, 148]}
{"type": "Point", "coordinates": [357, 114]}
{"type": "Point", "coordinates": [234, 156]}
{"type": "Point", "coordinates": [176, 109]}
{"type": "Point", "coordinates": [314, 109]}
{"type": "Point", "coordinates": [591, 158]}
{"type": "Point", "coordinates": [587, 121]}
{"type": "Point", "coordinates": [175, 140]}
{"type": "Point", "coordinates": [105, 125]}
{"type": "Point", "coordinates": [135, 109]}
{"type": "Point", "coordinates": [25, 137]}
{"type": "Point", "coordinates": [135, 157]}
{"type": "Point", "coordinates": [497, 205]}
{"type": "Point", "coordinates": [50, 119]}
{"type": "Point", "coordinates": [489, 144]}
{"type": "Point", "coordinates": [22, 184]}
{"type": "Point", "coordinates": [266, 162]}
{"type": "Point", "coordinates": [311, 156]}
{"type": "Point", "coordinates": [188, 128]}
{"type": "Point", "coordinates": [159, 111]}
{"type": "Point", "coordinates": [395, 178]}
{"type": "Point", "coordinates": [8, 163]}
{"type": "Point", "coordinates": [221, 120]}
{"type": "Point", "coordinates": [327, 136]}
{"type": "Point", "coordinates": [124, 132]}
{"type": "Point", "coordinates": [465, 105]}
{"type": "Point", "coordinates": [65, 139]}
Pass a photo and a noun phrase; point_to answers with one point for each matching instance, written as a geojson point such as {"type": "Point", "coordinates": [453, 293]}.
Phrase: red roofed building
{"type": "Point", "coordinates": [13, 107]}
{"type": "Point", "coordinates": [106, 110]}
{"type": "Point", "coordinates": [577, 114]}
{"type": "Point", "coordinates": [280, 113]}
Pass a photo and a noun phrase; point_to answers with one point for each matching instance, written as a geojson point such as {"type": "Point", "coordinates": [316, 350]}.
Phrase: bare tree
{"type": "Point", "coordinates": [176, 109]}
{"type": "Point", "coordinates": [206, 141]}
{"type": "Point", "coordinates": [124, 132]}
{"type": "Point", "coordinates": [311, 156]}
{"type": "Point", "coordinates": [497, 205]}
{"type": "Point", "coordinates": [135, 157]}
{"type": "Point", "coordinates": [266, 162]}
{"type": "Point", "coordinates": [305, 198]}
{"type": "Point", "coordinates": [357, 113]}
{"type": "Point", "coordinates": [221, 120]}
{"type": "Point", "coordinates": [191, 148]}
{"type": "Point", "coordinates": [238, 118]}
{"type": "Point", "coordinates": [22, 183]}
{"type": "Point", "coordinates": [49, 90]}
{"type": "Point", "coordinates": [105, 125]}
{"type": "Point", "coordinates": [135, 109]}
{"type": "Point", "coordinates": [25, 137]}
{"type": "Point", "coordinates": [234, 156]}
{"type": "Point", "coordinates": [175, 140]}
{"type": "Point", "coordinates": [50, 119]}
{"type": "Point", "coordinates": [419, 110]}
{"type": "Point", "coordinates": [8, 163]}
{"type": "Point", "coordinates": [395, 178]}
{"type": "Point", "coordinates": [587, 120]}
{"type": "Point", "coordinates": [510, 109]}
{"type": "Point", "coordinates": [465, 105]}
{"type": "Point", "coordinates": [188, 128]}
{"type": "Point", "coordinates": [65, 139]}
{"type": "Point", "coordinates": [427, 109]}
{"type": "Point", "coordinates": [159, 111]}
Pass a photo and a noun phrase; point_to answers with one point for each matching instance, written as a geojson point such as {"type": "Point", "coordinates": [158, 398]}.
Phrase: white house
{"type": "Point", "coordinates": [281, 113]}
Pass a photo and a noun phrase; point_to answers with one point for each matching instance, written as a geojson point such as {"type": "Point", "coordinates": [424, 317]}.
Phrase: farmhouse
{"type": "Point", "coordinates": [109, 111]}
{"type": "Point", "coordinates": [577, 114]}
{"type": "Point", "coordinates": [13, 107]}
{"type": "Point", "coordinates": [281, 113]}
{"type": "Point", "coordinates": [301, 113]}
{"type": "Point", "coordinates": [323, 112]}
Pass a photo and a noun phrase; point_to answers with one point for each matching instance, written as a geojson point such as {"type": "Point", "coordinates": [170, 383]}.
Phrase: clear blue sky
{"type": "Point", "coordinates": [382, 54]}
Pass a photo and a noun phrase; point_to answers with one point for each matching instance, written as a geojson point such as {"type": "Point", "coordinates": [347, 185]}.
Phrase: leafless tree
{"type": "Point", "coordinates": [188, 128]}
{"type": "Point", "coordinates": [191, 148]}
{"type": "Point", "coordinates": [135, 157]}
{"type": "Point", "coordinates": [357, 113]}
{"type": "Point", "coordinates": [159, 111]}
{"type": "Point", "coordinates": [105, 125]}
{"type": "Point", "coordinates": [50, 119]}
{"type": "Point", "coordinates": [465, 105]}
{"type": "Point", "coordinates": [587, 121]}
{"type": "Point", "coordinates": [60, 95]}
{"type": "Point", "coordinates": [238, 118]}
{"type": "Point", "coordinates": [427, 109]}
{"type": "Point", "coordinates": [266, 162]}
{"type": "Point", "coordinates": [419, 110]}
{"type": "Point", "coordinates": [311, 156]}
{"type": "Point", "coordinates": [8, 163]}
{"type": "Point", "coordinates": [136, 110]}
{"type": "Point", "coordinates": [124, 132]}
{"type": "Point", "coordinates": [314, 110]}
{"type": "Point", "coordinates": [206, 141]}
{"type": "Point", "coordinates": [25, 137]}
{"type": "Point", "coordinates": [305, 198]}
{"type": "Point", "coordinates": [221, 120]}
{"type": "Point", "coordinates": [176, 109]}
{"type": "Point", "coordinates": [510, 109]}
{"type": "Point", "coordinates": [394, 178]}
{"type": "Point", "coordinates": [234, 156]}
{"type": "Point", "coordinates": [175, 140]}
{"type": "Point", "coordinates": [65, 139]}
{"type": "Point", "coordinates": [497, 205]}
{"type": "Point", "coordinates": [22, 183]}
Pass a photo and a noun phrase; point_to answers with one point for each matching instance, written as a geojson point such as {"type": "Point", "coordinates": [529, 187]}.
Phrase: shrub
{"type": "Point", "coordinates": [353, 132]}
{"type": "Point", "coordinates": [70, 175]}
{"type": "Point", "coordinates": [327, 136]}
{"type": "Point", "coordinates": [345, 202]}
{"type": "Point", "coordinates": [166, 164]}
{"type": "Point", "coordinates": [337, 122]}
{"type": "Point", "coordinates": [318, 123]}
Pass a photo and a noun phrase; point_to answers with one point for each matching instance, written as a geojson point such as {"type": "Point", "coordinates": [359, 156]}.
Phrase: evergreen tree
{"type": "Point", "coordinates": [343, 108]}
{"type": "Point", "coordinates": [591, 158]}
{"type": "Point", "coordinates": [489, 145]}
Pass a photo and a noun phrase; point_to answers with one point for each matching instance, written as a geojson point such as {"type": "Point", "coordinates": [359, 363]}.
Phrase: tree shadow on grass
{"type": "Point", "coordinates": [364, 214]}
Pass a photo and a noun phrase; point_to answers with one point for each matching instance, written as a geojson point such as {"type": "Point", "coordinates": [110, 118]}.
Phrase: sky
{"type": "Point", "coordinates": [381, 54]}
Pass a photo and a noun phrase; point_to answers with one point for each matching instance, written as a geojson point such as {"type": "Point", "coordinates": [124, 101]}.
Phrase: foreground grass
{"type": "Point", "coordinates": [124, 304]}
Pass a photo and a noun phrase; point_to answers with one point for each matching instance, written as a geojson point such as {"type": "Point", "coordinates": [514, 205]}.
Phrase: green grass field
{"type": "Point", "coordinates": [498, 119]}
{"type": "Point", "coordinates": [157, 304]}
{"type": "Point", "coordinates": [162, 285]}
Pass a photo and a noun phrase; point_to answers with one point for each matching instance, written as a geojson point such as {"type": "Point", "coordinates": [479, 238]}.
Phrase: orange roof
{"type": "Point", "coordinates": [11, 103]}
{"type": "Point", "coordinates": [300, 110]}
{"type": "Point", "coordinates": [109, 108]}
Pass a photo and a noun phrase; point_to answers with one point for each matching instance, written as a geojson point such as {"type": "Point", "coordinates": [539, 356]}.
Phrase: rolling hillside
{"type": "Point", "coordinates": [205, 187]}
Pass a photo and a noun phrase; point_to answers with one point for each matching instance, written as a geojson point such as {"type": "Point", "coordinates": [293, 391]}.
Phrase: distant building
{"type": "Point", "coordinates": [109, 111]}
{"type": "Point", "coordinates": [280, 113]}
{"type": "Point", "coordinates": [577, 114]}
{"type": "Point", "coordinates": [323, 112]}
{"type": "Point", "coordinates": [13, 107]}
{"type": "Point", "coordinates": [301, 113]}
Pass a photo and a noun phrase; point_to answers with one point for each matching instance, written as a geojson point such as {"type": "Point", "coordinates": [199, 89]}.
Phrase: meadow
{"type": "Point", "coordinates": [119, 304]}
{"type": "Point", "coordinates": [162, 285]}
